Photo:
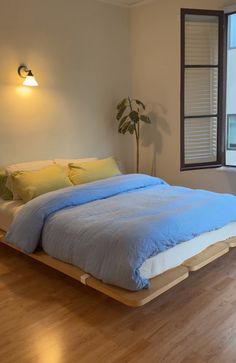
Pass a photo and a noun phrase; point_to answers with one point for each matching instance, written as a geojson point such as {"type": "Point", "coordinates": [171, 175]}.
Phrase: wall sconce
{"type": "Point", "coordinates": [27, 74]}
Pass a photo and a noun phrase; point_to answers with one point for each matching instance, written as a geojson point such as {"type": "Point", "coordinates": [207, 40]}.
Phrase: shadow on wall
{"type": "Point", "coordinates": [151, 137]}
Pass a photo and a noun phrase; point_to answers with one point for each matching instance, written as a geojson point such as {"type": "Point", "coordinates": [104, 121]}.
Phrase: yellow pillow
{"type": "Point", "coordinates": [86, 172]}
{"type": "Point", "coordinates": [31, 184]}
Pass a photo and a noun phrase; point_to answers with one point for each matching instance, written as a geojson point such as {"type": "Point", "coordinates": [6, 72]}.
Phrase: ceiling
{"type": "Point", "coordinates": [124, 2]}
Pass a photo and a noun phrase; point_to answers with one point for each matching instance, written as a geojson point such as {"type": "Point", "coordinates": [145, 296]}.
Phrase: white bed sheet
{"type": "Point", "coordinates": [155, 265]}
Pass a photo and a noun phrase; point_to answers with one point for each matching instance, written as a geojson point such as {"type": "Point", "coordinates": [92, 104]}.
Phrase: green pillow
{"type": "Point", "coordinates": [86, 172]}
{"type": "Point", "coordinates": [31, 184]}
{"type": "Point", "coordinates": [5, 193]}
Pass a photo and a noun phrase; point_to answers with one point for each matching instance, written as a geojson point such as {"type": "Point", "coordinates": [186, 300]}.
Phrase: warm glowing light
{"type": "Point", "coordinates": [23, 91]}
{"type": "Point", "coordinates": [30, 81]}
{"type": "Point", "coordinates": [48, 347]}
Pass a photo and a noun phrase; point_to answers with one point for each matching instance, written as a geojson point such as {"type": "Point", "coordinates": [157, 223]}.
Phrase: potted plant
{"type": "Point", "coordinates": [130, 112]}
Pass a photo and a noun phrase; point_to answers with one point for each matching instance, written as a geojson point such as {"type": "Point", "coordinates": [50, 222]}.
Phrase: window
{"type": "Point", "coordinates": [231, 132]}
{"type": "Point", "coordinates": [232, 31]}
{"type": "Point", "coordinates": [230, 152]}
{"type": "Point", "coordinates": [201, 88]}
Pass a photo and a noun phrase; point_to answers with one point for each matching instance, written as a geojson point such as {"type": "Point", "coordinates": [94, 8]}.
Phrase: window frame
{"type": "Point", "coordinates": [226, 116]}
{"type": "Point", "coordinates": [221, 91]}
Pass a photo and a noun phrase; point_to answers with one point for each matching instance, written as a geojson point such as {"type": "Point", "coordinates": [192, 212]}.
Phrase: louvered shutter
{"type": "Point", "coordinates": [201, 74]}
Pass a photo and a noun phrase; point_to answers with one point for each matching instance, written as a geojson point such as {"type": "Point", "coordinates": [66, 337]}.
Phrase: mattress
{"type": "Point", "coordinates": [177, 255]}
{"type": "Point", "coordinates": [155, 265]}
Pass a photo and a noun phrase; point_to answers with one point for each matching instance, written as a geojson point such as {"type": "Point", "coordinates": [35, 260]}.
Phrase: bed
{"type": "Point", "coordinates": [164, 269]}
{"type": "Point", "coordinates": [8, 211]}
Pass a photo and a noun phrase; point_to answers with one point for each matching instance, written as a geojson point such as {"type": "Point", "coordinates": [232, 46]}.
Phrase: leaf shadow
{"type": "Point", "coordinates": [151, 136]}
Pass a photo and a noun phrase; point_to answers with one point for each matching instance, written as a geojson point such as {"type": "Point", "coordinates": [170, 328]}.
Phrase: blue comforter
{"type": "Point", "coordinates": [110, 227]}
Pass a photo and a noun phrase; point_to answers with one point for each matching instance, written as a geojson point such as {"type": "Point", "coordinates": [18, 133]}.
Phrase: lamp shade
{"type": "Point", "coordinates": [30, 80]}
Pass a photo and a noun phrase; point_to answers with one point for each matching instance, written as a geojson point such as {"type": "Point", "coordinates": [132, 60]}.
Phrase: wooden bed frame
{"type": "Point", "coordinates": [158, 285]}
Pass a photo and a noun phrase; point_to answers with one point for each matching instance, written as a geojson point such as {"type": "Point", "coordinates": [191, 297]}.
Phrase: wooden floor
{"type": "Point", "coordinates": [46, 317]}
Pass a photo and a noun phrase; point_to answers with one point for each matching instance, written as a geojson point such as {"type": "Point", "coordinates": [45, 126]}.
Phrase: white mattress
{"type": "Point", "coordinates": [155, 265]}
{"type": "Point", "coordinates": [177, 255]}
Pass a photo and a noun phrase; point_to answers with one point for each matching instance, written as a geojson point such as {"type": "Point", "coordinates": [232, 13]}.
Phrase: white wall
{"type": "Point", "coordinates": [79, 53]}
{"type": "Point", "coordinates": [155, 40]}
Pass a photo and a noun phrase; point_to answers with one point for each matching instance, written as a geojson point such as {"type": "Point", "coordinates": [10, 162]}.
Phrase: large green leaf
{"type": "Point", "coordinates": [124, 127]}
{"type": "Point", "coordinates": [122, 121]}
{"type": "Point", "coordinates": [140, 104]}
{"type": "Point", "coordinates": [145, 119]}
{"type": "Point", "coordinates": [131, 128]}
{"type": "Point", "coordinates": [122, 104]}
{"type": "Point", "coordinates": [120, 113]}
{"type": "Point", "coordinates": [134, 116]}
{"type": "Point", "coordinates": [128, 119]}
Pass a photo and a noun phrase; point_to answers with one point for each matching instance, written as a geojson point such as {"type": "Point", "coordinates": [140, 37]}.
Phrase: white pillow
{"type": "Point", "coordinates": [29, 166]}
{"type": "Point", "coordinates": [66, 162]}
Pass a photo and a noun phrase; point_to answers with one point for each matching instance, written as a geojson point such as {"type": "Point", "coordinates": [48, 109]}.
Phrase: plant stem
{"type": "Point", "coordinates": [130, 104]}
{"type": "Point", "coordinates": [137, 134]}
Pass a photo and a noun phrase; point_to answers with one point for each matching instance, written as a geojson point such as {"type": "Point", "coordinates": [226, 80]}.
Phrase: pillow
{"type": "Point", "coordinates": [33, 165]}
{"type": "Point", "coordinates": [5, 193]}
{"type": "Point", "coordinates": [66, 162]}
{"type": "Point", "coordinates": [31, 184]}
{"type": "Point", "coordinates": [81, 173]}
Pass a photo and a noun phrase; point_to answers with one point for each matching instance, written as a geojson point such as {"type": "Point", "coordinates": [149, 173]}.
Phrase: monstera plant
{"type": "Point", "coordinates": [130, 112]}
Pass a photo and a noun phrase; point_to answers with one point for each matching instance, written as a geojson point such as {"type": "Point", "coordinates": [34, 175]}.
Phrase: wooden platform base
{"type": "Point", "coordinates": [158, 285]}
{"type": "Point", "coordinates": [231, 242]}
{"type": "Point", "coordinates": [208, 255]}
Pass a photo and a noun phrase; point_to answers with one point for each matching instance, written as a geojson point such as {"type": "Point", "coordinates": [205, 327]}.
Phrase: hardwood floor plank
{"type": "Point", "coordinates": [46, 317]}
{"type": "Point", "coordinates": [158, 284]}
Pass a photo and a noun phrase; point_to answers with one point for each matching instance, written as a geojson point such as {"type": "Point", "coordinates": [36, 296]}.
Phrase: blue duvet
{"type": "Point", "coordinates": [110, 227]}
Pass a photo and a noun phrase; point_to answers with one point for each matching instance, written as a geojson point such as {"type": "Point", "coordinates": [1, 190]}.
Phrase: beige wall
{"type": "Point", "coordinates": [79, 52]}
{"type": "Point", "coordinates": [155, 40]}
